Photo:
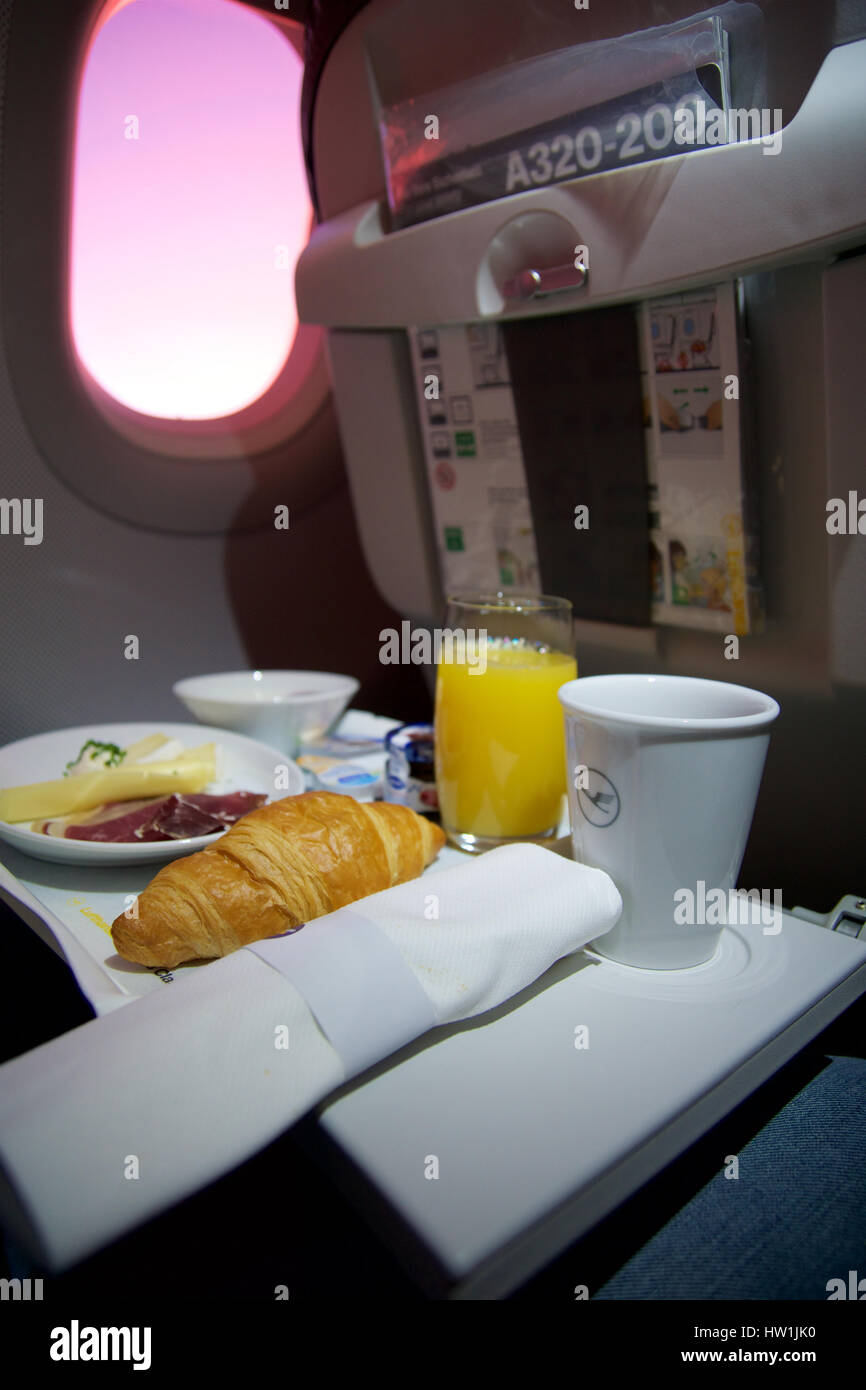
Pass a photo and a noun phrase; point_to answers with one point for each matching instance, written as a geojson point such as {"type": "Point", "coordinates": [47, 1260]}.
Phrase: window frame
{"type": "Point", "coordinates": [188, 476]}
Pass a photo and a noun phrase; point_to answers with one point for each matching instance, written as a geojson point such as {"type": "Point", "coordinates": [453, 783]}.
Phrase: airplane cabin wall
{"type": "Point", "coordinates": [301, 598]}
{"type": "Point", "coordinates": [806, 837]}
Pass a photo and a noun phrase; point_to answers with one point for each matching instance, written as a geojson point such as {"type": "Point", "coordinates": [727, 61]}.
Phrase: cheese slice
{"type": "Point", "coordinates": [66, 795]}
{"type": "Point", "coordinates": [136, 752]}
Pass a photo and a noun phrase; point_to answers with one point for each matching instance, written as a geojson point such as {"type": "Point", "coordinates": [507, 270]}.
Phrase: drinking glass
{"type": "Point", "coordinates": [500, 744]}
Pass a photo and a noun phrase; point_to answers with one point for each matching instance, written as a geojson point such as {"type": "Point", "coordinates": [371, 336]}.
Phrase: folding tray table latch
{"type": "Point", "coordinates": [848, 916]}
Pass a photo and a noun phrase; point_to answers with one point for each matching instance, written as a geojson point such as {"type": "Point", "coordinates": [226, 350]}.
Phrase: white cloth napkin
{"type": "Point", "coordinates": [115, 1121]}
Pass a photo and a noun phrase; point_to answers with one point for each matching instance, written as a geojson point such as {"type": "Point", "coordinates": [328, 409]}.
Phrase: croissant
{"type": "Point", "coordinates": [277, 867]}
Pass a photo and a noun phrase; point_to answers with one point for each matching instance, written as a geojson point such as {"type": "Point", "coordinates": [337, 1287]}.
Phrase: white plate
{"type": "Point", "coordinates": [243, 765]}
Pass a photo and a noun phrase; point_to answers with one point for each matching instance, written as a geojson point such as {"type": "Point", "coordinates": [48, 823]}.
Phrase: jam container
{"type": "Point", "coordinates": [410, 773]}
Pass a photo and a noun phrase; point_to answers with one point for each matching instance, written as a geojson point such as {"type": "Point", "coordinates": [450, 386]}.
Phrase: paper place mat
{"type": "Point", "coordinates": [77, 906]}
{"type": "Point", "coordinates": [72, 906]}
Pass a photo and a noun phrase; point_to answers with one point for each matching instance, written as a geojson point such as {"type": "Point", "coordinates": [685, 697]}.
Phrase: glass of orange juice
{"type": "Point", "coordinates": [500, 741]}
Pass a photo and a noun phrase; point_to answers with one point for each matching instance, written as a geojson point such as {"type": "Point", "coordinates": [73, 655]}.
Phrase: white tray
{"type": "Point", "coordinates": [537, 1141]}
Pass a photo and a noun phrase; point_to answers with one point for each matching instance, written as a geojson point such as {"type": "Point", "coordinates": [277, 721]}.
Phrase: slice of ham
{"type": "Point", "coordinates": [183, 817]}
{"type": "Point", "coordinates": [135, 812]}
{"type": "Point", "coordinates": [175, 817]}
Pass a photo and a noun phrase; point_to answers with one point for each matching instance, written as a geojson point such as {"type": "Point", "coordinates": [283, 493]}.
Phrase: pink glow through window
{"type": "Point", "coordinates": [189, 207]}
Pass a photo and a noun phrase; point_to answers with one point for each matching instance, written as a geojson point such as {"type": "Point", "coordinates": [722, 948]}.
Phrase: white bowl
{"type": "Point", "coordinates": [282, 708]}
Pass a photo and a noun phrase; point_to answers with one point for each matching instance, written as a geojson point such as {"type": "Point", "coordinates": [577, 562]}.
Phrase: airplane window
{"type": "Point", "coordinates": [189, 206]}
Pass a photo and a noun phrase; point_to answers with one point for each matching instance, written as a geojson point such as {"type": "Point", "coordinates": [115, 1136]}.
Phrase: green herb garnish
{"type": "Point", "coordinates": [115, 754]}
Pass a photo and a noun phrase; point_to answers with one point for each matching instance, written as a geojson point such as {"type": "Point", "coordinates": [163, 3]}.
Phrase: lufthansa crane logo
{"type": "Point", "coordinates": [599, 800]}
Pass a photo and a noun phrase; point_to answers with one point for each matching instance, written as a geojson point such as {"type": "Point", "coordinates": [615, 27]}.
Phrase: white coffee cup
{"type": "Point", "coordinates": [663, 775]}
